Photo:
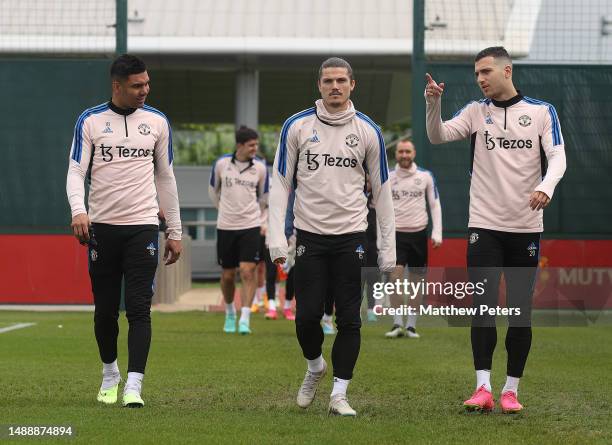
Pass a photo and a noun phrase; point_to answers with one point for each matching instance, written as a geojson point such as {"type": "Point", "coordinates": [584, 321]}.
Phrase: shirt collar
{"type": "Point", "coordinates": [121, 111]}
{"type": "Point", "coordinates": [334, 119]}
{"type": "Point", "coordinates": [234, 161]}
{"type": "Point", "coordinates": [508, 103]}
{"type": "Point", "coordinates": [407, 171]}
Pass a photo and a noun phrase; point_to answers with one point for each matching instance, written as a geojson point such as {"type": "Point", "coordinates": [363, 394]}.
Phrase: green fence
{"type": "Point", "coordinates": [42, 100]}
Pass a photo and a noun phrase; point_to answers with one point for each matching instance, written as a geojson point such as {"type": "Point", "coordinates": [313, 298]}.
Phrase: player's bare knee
{"type": "Point", "coordinates": [247, 271]}
{"type": "Point", "coordinates": [228, 276]}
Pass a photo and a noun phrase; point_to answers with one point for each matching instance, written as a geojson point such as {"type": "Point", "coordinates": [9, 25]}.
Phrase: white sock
{"type": "Point", "coordinates": [276, 287]}
{"type": "Point", "coordinates": [397, 319]}
{"type": "Point", "coordinates": [287, 304]}
{"type": "Point", "coordinates": [315, 365]}
{"type": "Point", "coordinates": [230, 309]}
{"type": "Point", "coordinates": [371, 311]}
{"type": "Point", "coordinates": [483, 377]}
{"type": "Point", "coordinates": [511, 384]}
{"type": "Point", "coordinates": [411, 321]}
{"type": "Point", "coordinates": [245, 314]}
{"type": "Point", "coordinates": [110, 368]}
{"type": "Point", "coordinates": [326, 318]}
{"type": "Point", "coordinates": [271, 305]}
{"type": "Point", "coordinates": [110, 375]}
{"type": "Point", "coordinates": [134, 382]}
{"type": "Point", "coordinates": [340, 386]}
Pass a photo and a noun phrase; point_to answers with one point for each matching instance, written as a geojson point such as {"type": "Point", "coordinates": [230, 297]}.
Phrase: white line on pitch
{"type": "Point", "coordinates": [16, 326]}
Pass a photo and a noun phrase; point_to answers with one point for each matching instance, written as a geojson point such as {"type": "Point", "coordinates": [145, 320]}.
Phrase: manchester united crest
{"type": "Point", "coordinates": [144, 129]}
{"type": "Point", "coordinates": [524, 121]}
{"type": "Point", "coordinates": [351, 140]}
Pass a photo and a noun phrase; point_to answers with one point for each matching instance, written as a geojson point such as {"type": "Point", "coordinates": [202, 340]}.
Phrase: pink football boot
{"type": "Point", "coordinates": [481, 400]}
{"type": "Point", "coordinates": [509, 403]}
{"type": "Point", "coordinates": [288, 314]}
{"type": "Point", "coordinates": [271, 314]}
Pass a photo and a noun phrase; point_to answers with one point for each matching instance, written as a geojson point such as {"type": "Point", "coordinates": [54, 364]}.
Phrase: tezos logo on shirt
{"type": "Point", "coordinates": [313, 161]}
{"type": "Point", "coordinates": [501, 142]}
{"type": "Point", "coordinates": [399, 194]}
{"type": "Point", "coordinates": [123, 152]}
{"type": "Point", "coordinates": [229, 181]}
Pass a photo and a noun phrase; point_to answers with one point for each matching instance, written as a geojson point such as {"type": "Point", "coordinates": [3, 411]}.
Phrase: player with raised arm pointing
{"type": "Point", "coordinates": [518, 158]}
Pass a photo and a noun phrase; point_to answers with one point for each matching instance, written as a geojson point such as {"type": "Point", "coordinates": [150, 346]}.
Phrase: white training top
{"type": "Point", "coordinates": [511, 142]}
{"type": "Point", "coordinates": [240, 191]}
{"type": "Point", "coordinates": [325, 158]}
{"type": "Point", "coordinates": [128, 154]}
{"type": "Point", "coordinates": [410, 188]}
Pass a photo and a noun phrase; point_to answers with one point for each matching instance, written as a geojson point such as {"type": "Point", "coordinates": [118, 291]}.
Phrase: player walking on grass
{"type": "Point", "coordinates": [513, 137]}
{"type": "Point", "coordinates": [323, 153]}
{"type": "Point", "coordinates": [412, 188]}
{"type": "Point", "coordinates": [239, 189]}
{"type": "Point", "coordinates": [125, 147]}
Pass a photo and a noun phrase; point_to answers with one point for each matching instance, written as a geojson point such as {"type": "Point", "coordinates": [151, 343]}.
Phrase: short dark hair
{"type": "Point", "coordinates": [125, 65]}
{"type": "Point", "coordinates": [497, 52]}
{"type": "Point", "coordinates": [406, 139]}
{"type": "Point", "coordinates": [245, 134]}
{"type": "Point", "coordinates": [336, 62]}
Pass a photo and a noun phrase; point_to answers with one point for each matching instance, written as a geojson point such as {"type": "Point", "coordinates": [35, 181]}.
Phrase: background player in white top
{"type": "Point", "coordinates": [412, 188]}
{"type": "Point", "coordinates": [126, 147]}
{"type": "Point", "coordinates": [239, 189]}
{"type": "Point", "coordinates": [513, 137]}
